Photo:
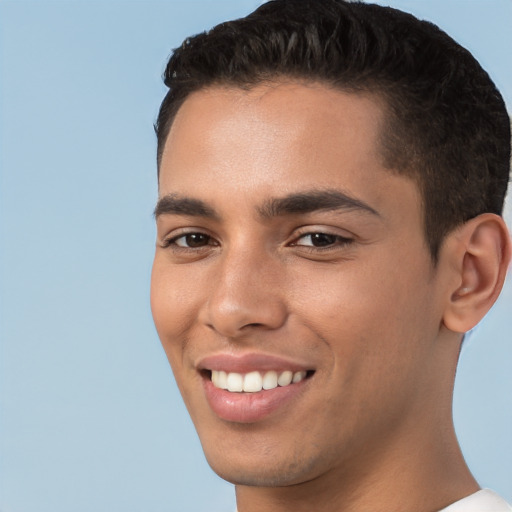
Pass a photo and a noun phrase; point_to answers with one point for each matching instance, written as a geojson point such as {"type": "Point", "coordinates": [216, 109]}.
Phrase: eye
{"type": "Point", "coordinates": [321, 240]}
{"type": "Point", "coordinates": [190, 241]}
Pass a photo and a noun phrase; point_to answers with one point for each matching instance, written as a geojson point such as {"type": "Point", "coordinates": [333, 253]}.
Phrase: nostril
{"type": "Point", "coordinates": [253, 325]}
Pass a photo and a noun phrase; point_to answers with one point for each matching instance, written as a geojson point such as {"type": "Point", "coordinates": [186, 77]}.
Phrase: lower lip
{"type": "Point", "coordinates": [250, 407]}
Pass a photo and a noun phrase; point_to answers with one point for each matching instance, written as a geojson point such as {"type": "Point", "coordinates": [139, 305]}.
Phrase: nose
{"type": "Point", "coordinates": [246, 293]}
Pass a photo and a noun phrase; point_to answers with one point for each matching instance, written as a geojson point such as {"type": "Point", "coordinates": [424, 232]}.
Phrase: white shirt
{"type": "Point", "coordinates": [481, 501]}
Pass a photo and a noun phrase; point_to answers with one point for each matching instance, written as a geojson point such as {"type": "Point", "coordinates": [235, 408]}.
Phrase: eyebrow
{"type": "Point", "coordinates": [311, 201]}
{"type": "Point", "coordinates": [178, 205]}
{"type": "Point", "coordinates": [297, 203]}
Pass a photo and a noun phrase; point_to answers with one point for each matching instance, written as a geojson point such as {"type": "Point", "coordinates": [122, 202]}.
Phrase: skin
{"type": "Point", "coordinates": [366, 310]}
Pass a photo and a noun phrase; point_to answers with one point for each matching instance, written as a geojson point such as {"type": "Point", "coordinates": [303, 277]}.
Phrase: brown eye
{"type": "Point", "coordinates": [192, 240]}
{"type": "Point", "coordinates": [320, 242]}
{"type": "Point", "coordinates": [322, 239]}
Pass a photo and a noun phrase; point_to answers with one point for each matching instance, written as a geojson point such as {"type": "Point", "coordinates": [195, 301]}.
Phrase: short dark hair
{"type": "Point", "coordinates": [446, 123]}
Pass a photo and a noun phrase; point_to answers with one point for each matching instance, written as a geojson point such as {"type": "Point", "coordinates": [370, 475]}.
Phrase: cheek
{"type": "Point", "coordinates": [173, 305]}
{"type": "Point", "coordinates": [374, 321]}
{"type": "Point", "coordinates": [351, 299]}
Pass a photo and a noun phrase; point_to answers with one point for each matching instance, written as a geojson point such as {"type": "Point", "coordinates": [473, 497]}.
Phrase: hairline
{"type": "Point", "coordinates": [376, 94]}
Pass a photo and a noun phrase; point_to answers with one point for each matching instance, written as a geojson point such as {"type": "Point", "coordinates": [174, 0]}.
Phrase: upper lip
{"type": "Point", "coordinates": [245, 363]}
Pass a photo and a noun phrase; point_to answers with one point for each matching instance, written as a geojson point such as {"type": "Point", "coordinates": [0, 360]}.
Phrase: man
{"type": "Point", "coordinates": [331, 180]}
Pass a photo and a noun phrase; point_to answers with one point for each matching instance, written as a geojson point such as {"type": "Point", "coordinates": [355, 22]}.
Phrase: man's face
{"type": "Point", "coordinates": [285, 250]}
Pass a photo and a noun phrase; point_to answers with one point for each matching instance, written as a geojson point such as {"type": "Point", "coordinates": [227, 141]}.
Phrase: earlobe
{"type": "Point", "coordinates": [481, 253]}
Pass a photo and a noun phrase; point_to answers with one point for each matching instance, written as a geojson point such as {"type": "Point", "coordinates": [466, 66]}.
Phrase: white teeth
{"type": "Point", "coordinates": [220, 379]}
{"type": "Point", "coordinates": [215, 378]}
{"type": "Point", "coordinates": [298, 376]}
{"type": "Point", "coordinates": [223, 380]}
{"type": "Point", "coordinates": [270, 380]}
{"type": "Point", "coordinates": [253, 382]}
{"type": "Point", "coordinates": [235, 382]}
{"type": "Point", "coordinates": [285, 378]}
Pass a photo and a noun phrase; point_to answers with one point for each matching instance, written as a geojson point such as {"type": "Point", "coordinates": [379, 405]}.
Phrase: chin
{"type": "Point", "coordinates": [257, 477]}
{"type": "Point", "coordinates": [264, 468]}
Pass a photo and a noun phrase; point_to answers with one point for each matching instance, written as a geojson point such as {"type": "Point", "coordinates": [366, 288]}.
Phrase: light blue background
{"type": "Point", "coordinates": [90, 416]}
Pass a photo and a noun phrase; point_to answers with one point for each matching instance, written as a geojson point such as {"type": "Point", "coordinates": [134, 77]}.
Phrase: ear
{"type": "Point", "coordinates": [480, 252]}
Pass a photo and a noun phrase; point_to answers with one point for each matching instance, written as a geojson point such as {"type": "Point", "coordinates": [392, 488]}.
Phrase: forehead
{"type": "Point", "coordinates": [272, 124]}
{"type": "Point", "coordinates": [244, 146]}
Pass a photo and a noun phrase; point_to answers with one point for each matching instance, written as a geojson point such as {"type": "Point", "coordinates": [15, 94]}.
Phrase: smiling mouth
{"type": "Point", "coordinates": [255, 381]}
